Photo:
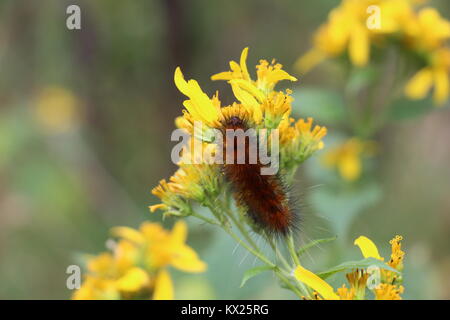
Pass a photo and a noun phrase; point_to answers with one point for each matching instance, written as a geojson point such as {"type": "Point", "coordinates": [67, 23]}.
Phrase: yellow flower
{"type": "Point", "coordinates": [114, 275]}
{"type": "Point", "coordinates": [268, 75]}
{"type": "Point", "coordinates": [435, 75]}
{"type": "Point", "coordinates": [57, 109]}
{"type": "Point", "coordinates": [345, 30]}
{"type": "Point", "coordinates": [357, 280]}
{"type": "Point", "coordinates": [353, 27]}
{"type": "Point", "coordinates": [346, 293]}
{"type": "Point", "coordinates": [347, 157]}
{"type": "Point", "coordinates": [252, 94]}
{"type": "Point", "coordinates": [194, 179]}
{"type": "Point", "coordinates": [94, 288]}
{"type": "Point", "coordinates": [164, 248]}
{"type": "Point", "coordinates": [388, 292]}
{"type": "Point", "coordinates": [299, 140]}
{"type": "Point", "coordinates": [369, 249]}
{"type": "Point", "coordinates": [428, 30]}
{"type": "Point", "coordinates": [397, 254]}
{"type": "Point", "coordinates": [137, 267]}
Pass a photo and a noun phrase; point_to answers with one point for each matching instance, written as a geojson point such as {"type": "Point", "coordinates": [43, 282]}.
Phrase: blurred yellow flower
{"type": "Point", "coordinates": [137, 267]}
{"type": "Point", "coordinates": [428, 31]}
{"type": "Point", "coordinates": [423, 32]}
{"type": "Point", "coordinates": [435, 75]}
{"type": "Point", "coordinates": [347, 157]}
{"type": "Point", "coordinates": [56, 109]}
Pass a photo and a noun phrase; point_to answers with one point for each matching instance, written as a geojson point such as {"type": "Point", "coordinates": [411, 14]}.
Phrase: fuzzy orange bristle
{"type": "Point", "coordinates": [264, 196]}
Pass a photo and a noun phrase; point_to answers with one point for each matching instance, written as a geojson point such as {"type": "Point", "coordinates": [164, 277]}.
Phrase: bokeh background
{"type": "Point", "coordinates": [85, 123]}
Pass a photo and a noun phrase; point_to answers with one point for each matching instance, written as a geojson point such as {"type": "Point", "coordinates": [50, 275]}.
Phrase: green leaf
{"type": "Point", "coordinates": [250, 273]}
{"type": "Point", "coordinates": [325, 106]}
{"type": "Point", "coordinates": [361, 264]}
{"type": "Point", "coordinates": [403, 108]}
{"type": "Point", "coordinates": [314, 243]}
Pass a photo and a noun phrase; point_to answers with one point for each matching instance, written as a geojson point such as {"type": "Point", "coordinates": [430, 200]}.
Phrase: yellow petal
{"type": "Point", "coordinates": [179, 232]}
{"type": "Point", "coordinates": [367, 247]}
{"type": "Point", "coordinates": [359, 46]}
{"type": "Point", "coordinates": [248, 101]}
{"type": "Point", "coordinates": [316, 283]}
{"type": "Point", "coordinates": [128, 234]}
{"type": "Point", "coordinates": [420, 84]}
{"type": "Point", "coordinates": [279, 75]}
{"type": "Point", "coordinates": [243, 63]}
{"type": "Point", "coordinates": [441, 86]}
{"type": "Point", "coordinates": [101, 264]}
{"type": "Point", "coordinates": [163, 286]}
{"type": "Point", "coordinates": [199, 105]}
{"type": "Point", "coordinates": [133, 280]}
{"type": "Point", "coordinates": [186, 259]}
{"type": "Point", "coordinates": [250, 88]}
{"type": "Point", "coordinates": [226, 75]}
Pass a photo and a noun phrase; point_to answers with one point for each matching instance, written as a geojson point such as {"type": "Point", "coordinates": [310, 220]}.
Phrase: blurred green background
{"type": "Point", "coordinates": [85, 123]}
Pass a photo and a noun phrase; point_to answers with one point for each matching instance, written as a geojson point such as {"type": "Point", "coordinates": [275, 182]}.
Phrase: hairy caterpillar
{"type": "Point", "coordinates": [265, 196]}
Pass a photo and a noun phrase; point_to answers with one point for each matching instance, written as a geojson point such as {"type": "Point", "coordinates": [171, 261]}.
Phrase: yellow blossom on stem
{"type": "Point", "coordinates": [137, 265]}
{"type": "Point", "coordinates": [347, 157]}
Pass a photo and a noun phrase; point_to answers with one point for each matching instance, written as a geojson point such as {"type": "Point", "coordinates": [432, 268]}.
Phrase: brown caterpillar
{"type": "Point", "coordinates": [265, 196]}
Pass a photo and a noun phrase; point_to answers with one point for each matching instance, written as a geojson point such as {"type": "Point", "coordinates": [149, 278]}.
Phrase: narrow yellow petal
{"type": "Point", "coordinates": [420, 84]}
{"type": "Point", "coordinates": [279, 75]}
{"type": "Point", "coordinates": [180, 82]}
{"type": "Point", "coordinates": [359, 46]}
{"type": "Point", "coordinates": [367, 247]}
{"type": "Point", "coordinates": [128, 234]}
{"type": "Point", "coordinates": [243, 63]}
{"type": "Point", "coordinates": [163, 286]}
{"type": "Point", "coordinates": [316, 283]}
{"type": "Point", "coordinates": [179, 232]}
{"type": "Point", "coordinates": [226, 75]}
{"type": "Point", "coordinates": [441, 86]}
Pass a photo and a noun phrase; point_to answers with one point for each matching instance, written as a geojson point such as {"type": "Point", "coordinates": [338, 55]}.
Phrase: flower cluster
{"type": "Point", "coordinates": [388, 286]}
{"type": "Point", "coordinates": [136, 266]}
{"type": "Point", "coordinates": [259, 104]}
{"type": "Point", "coordinates": [357, 26]}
